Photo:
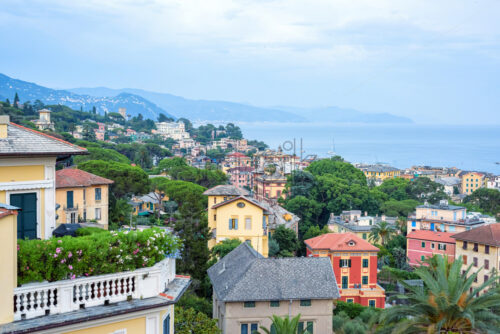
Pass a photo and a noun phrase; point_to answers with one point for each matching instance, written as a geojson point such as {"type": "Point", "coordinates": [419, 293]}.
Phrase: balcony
{"type": "Point", "coordinates": [73, 208]}
{"type": "Point", "coordinates": [39, 299]}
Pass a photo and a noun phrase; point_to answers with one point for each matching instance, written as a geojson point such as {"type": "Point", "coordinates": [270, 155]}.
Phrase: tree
{"type": "Point", "coordinates": [225, 247]}
{"type": "Point", "coordinates": [127, 179]}
{"type": "Point", "coordinates": [164, 118]}
{"type": "Point", "coordinates": [299, 183]}
{"type": "Point", "coordinates": [188, 321]}
{"type": "Point", "coordinates": [396, 189]}
{"type": "Point", "coordinates": [381, 231]}
{"type": "Point", "coordinates": [96, 153]}
{"type": "Point", "coordinates": [284, 325]}
{"type": "Point", "coordinates": [274, 247]}
{"type": "Point", "coordinates": [395, 208]}
{"type": "Point", "coordinates": [446, 304]}
{"type": "Point", "coordinates": [488, 200]}
{"type": "Point", "coordinates": [287, 241]}
{"type": "Point", "coordinates": [88, 131]}
{"type": "Point", "coordinates": [16, 101]}
{"type": "Point", "coordinates": [119, 211]}
{"type": "Point", "coordinates": [424, 189]}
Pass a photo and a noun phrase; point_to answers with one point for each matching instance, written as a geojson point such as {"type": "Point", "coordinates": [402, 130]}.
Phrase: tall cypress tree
{"type": "Point", "coordinates": [16, 101]}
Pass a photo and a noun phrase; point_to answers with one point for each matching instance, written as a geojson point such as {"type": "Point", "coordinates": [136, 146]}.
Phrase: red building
{"type": "Point", "coordinates": [354, 262]}
{"type": "Point", "coordinates": [240, 176]}
{"type": "Point", "coordinates": [422, 244]}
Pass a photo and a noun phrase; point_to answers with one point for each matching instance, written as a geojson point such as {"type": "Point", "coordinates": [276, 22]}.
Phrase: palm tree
{"type": "Point", "coordinates": [383, 231]}
{"type": "Point", "coordinates": [284, 325]}
{"type": "Point", "coordinates": [445, 304]}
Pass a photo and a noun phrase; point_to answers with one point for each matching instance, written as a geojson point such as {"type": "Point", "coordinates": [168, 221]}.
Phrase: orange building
{"type": "Point", "coordinates": [354, 262]}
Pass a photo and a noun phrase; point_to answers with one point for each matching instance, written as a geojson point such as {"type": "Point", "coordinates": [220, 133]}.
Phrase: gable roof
{"type": "Point", "coordinates": [340, 242]}
{"type": "Point", "coordinates": [244, 275]}
{"type": "Point", "coordinates": [432, 236]}
{"type": "Point", "coordinates": [488, 235]}
{"type": "Point", "coordinates": [22, 141]}
{"type": "Point", "coordinates": [237, 155]}
{"type": "Point", "coordinates": [72, 177]}
{"type": "Point", "coordinates": [238, 198]}
{"type": "Point", "coordinates": [226, 190]}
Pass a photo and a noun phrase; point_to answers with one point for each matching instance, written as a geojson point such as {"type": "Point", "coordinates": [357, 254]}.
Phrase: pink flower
{"type": "Point", "coordinates": [18, 247]}
{"type": "Point", "coordinates": [73, 276]}
{"type": "Point", "coordinates": [27, 268]}
{"type": "Point", "coordinates": [63, 260]}
{"type": "Point", "coordinates": [86, 274]}
{"type": "Point", "coordinates": [70, 254]}
{"type": "Point", "coordinates": [138, 244]}
{"type": "Point", "coordinates": [59, 241]}
{"type": "Point", "coordinates": [136, 251]}
{"type": "Point", "coordinates": [55, 255]}
{"type": "Point", "coordinates": [70, 267]}
{"type": "Point", "coordinates": [58, 250]}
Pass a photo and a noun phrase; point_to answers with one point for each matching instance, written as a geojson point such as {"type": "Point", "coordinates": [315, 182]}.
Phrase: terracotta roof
{"type": "Point", "coordinates": [340, 242]}
{"type": "Point", "coordinates": [432, 236]}
{"type": "Point", "coordinates": [72, 177]}
{"type": "Point", "coordinates": [488, 235]}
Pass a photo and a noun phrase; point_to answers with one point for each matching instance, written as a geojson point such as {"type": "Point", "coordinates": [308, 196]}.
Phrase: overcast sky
{"type": "Point", "coordinates": [432, 60]}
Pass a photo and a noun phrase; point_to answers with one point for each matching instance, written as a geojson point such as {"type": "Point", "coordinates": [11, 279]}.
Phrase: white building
{"type": "Point", "coordinates": [174, 130]}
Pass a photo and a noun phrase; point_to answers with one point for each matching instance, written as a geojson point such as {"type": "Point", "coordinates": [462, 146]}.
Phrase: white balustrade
{"type": "Point", "coordinates": [38, 299]}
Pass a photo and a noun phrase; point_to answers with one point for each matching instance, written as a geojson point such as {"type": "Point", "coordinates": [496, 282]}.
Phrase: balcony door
{"type": "Point", "coordinates": [27, 216]}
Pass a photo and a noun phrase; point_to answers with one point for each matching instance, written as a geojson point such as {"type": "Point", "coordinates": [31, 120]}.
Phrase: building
{"type": "Point", "coordinates": [354, 262]}
{"type": "Point", "coordinates": [235, 159]}
{"type": "Point", "coordinates": [452, 185]}
{"type": "Point", "coordinates": [174, 130]}
{"type": "Point", "coordinates": [27, 176]}
{"type": "Point", "coordinates": [353, 221]}
{"type": "Point", "coordinates": [241, 176]}
{"type": "Point", "coordinates": [269, 187]}
{"type": "Point", "coordinates": [480, 248]}
{"type": "Point", "coordinates": [123, 112]}
{"type": "Point", "coordinates": [248, 288]}
{"type": "Point", "coordinates": [82, 197]}
{"type": "Point", "coordinates": [139, 301]}
{"type": "Point", "coordinates": [442, 217]}
{"type": "Point", "coordinates": [232, 214]}
{"type": "Point", "coordinates": [146, 205]}
{"type": "Point", "coordinates": [44, 122]}
{"type": "Point", "coordinates": [422, 244]}
{"type": "Point", "coordinates": [379, 173]}
{"type": "Point", "coordinates": [472, 181]}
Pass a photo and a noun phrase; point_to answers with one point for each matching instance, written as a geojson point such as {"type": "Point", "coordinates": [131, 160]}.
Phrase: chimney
{"type": "Point", "coordinates": [4, 122]}
{"type": "Point", "coordinates": [366, 213]}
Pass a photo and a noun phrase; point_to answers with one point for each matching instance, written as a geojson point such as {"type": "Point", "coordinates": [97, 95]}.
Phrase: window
{"type": "Point", "coordinates": [166, 325]}
{"type": "Point", "coordinates": [97, 194]}
{"type": "Point", "coordinates": [413, 224]}
{"type": "Point", "coordinates": [371, 303]}
{"type": "Point", "coordinates": [233, 223]}
{"type": "Point", "coordinates": [73, 217]}
{"type": "Point", "coordinates": [345, 282]}
{"type": "Point", "coordinates": [476, 247]}
{"type": "Point", "coordinates": [422, 258]}
{"type": "Point", "coordinates": [464, 259]}
{"type": "Point", "coordinates": [84, 215]}
{"type": "Point", "coordinates": [69, 199]}
{"type": "Point", "coordinates": [486, 264]}
{"type": "Point", "coordinates": [215, 217]}
{"type": "Point", "coordinates": [275, 303]}
{"type": "Point", "coordinates": [309, 327]}
{"type": "Point", "coordinates": [350, 300]}
{"type": "Point", "coordinates": [364, 236]}
{"type": "Point", "coordinates": [451, 228]}
{"type": "Point", "coordinates": [249, 304]}
{"type": "Point", "coordinates": [305, 302]}
{"type": "Point", "coordinates": [84, 194]}
{"type": "Point", "coordinates": [487, 249]}
{"type": "Point", "coordinates": [252, 326]}
{"type": "Point", "coordinates": [365, 263]}
{"type": "Point", "coordinates": [442, 246]}
{"type": "Point", "coordinates": [423, 244]}
{"type": "Point", "coordinates": [365, 280]}
{"type": "Point", "coordinates": [486, 278]}
{"type": "Point", "coordinates": [432, 245]}
{"type": "Point", "coordinates": [248, 223]}
{"type": "Point", "coordinates": [474, 261]}
{"type": "Point", "coordinates": [215, 200]}
{"type": "Point", "coordinates": [345, 263]}
{"type": "Point", "coordinates": [98, 213]}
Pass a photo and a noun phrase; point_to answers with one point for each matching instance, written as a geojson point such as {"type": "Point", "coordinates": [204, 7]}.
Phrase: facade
{"type": "Point", "coordinates": [354, 262]}
{"type": "Point", "coordinates": [249, 288]}
{"type": "Point", "coordinates": [174, 130]}
{"type": "Point", "coordinates": [241, 177]}
{"type": "Point", "coordinates": [472, 181]}
{"type": "Point", "coordinates": [147, 204]}
{"type": "Point", "coordinates": [442, 217]}
{"type": "Point", "coordinates": [353, 221]}
{"type": "Point", "coordinates": [44, 122]}
{"type": "Point", "coordinates": [452, 185]}
{"type": "Point", "coordinates": [480, 248]}
{"type": "Point", "coordinates": [379, 173]}
{"type": "Point", "coordinates": [27, 176]}
{"type": "Point", "coordinates": [269, 187]}
{"type": "Point", "coordinates": [423, 244]}
{"type": "Point", "coordinates": [494, 182]}
{"type": "Point", "coordinates": [82, 197]}
{"type": "Point", "coordinates": [234, 215]}
{"type": "Point", "coordinates": [235, 159]}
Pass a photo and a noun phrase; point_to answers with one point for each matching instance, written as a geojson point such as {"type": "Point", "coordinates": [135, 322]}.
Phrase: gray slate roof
{"type": "Point", "coordinates": [24, 141]}
{"type": "Point", "coordinates": [441, 206]}
{"type": "Point", "coordinates": [244, 275]}
{"type": "Point", "coordinates": [226, 190]}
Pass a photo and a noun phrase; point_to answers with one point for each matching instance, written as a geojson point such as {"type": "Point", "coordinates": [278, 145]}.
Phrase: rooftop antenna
{"type": "Point", "coordinates": [332, 152]}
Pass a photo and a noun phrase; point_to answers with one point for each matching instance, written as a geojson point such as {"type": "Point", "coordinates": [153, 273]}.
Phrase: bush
{"type": "Point", "coordinates": [353, 327]}
{"type": "Point", "coordinates": [188, 321]}
{"type": "Point", "coordinates": [339, 320]}
{"type": "Point", "coordinates": [93, 254]}
{"type": "Point", "coordinates": [89, 230]}
{"type": "Point", "coordinates": [351, 309]}
{"type": "Point", "coordinates": [190, 300]}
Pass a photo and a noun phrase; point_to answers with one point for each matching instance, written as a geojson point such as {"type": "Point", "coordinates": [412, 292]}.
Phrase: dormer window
{"type": "Point", "coordinates": [352, 243]}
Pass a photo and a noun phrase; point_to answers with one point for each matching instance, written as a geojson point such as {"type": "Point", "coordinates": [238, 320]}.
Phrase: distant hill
{"type": "Point", "coordinates": [28, 91]}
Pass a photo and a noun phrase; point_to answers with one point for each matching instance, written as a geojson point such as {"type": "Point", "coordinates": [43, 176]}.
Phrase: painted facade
{"type": "Point", "coordinates": [269, 187]}
{"type": "Point", "coordinates": [423, 244]}
{"type": "Point", "coordinates": [472, 181]}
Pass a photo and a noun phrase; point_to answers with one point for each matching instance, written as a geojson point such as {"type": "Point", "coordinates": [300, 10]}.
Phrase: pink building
{"type": "Point", "coordinates": [423, 244]}
{"type": "Point", "coordinates": [241, 176]}
{"type": "Point", "coordinates": [102, 126]}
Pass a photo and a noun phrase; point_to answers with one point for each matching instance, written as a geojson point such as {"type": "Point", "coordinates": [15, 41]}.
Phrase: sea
{"type": "Point", "coordinates": [468, 147]}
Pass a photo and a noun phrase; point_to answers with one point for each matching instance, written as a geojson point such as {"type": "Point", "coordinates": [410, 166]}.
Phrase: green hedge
{"type": "Point", "coordinates": [94, 254]}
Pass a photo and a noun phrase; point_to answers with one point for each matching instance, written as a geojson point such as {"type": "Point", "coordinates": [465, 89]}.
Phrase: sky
{"type": "Point", "coordinates": [435, 61]}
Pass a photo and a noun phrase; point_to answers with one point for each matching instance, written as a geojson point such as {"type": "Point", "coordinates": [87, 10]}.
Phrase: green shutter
{"type": "Point", "coordinates": [230, 224]}
{"type": "Point", "coordinates": [236, 224]}
{"type": "Point", "coordinates": [349, 263]}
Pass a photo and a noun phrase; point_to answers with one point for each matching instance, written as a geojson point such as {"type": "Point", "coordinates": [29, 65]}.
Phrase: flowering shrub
{"type": "Point", "coordinates": [94, 254]}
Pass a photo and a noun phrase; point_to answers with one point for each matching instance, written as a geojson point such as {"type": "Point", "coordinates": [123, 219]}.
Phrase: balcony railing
{"type": "Point", "coordinates": [38, 299]}
{"type": "Point", "coordinates": [72, 208]}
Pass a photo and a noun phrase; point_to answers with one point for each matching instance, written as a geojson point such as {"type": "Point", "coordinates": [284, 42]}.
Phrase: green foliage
{"type": "Point", "coordinates": [446, 304]}
{"type": "Point", "coordinates": [487, 200]}
{"type": "Point", "coordinates": [119, 211]}
{"type": "Point", "coordinates": [93, 254]}
{"type": "Point", "coordinates": [164, 118]}
{"type": "Point", "coordinates": [402, 208]}
{"type": "Point", "coordinates": [225, 247]}
{"type": "Point", "coordinates": [274, 247]}
{"type": "Point", "coordinates": [287, 241]}
{"type": "Point", "coordinates": [89, 230]}
{"type": "Point", "coordinates": [178, 169]}
{"type": "Point", "coordinates": [190, 300]}
{"type": "Point", "coordinates": [393, 275]}
{"type": "Point", "coordinates": [104, 154]}
{"type": "Point", "coordinates": [188, 321]}
{"type": "Point", "coordinates": [127, 179]}
{"type": "Point", "coordinates": [352, 310]}
{"type": "Point", "coordinates": [260, 145]}
{"type": "Point", "coordinates": [382, 231]}
{"type": "Point", "coordinates": [284, 325]}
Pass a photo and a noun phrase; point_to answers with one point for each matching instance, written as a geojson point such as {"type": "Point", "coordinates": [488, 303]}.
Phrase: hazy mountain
{"type": "Point", "coordinates": [28, 91]}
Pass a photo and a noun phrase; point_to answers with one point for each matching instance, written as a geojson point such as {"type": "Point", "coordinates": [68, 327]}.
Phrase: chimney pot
{"type": "Point", "coordinates": [4, 122]}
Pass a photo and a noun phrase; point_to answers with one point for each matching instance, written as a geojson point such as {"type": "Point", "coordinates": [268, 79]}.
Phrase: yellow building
{"type": "Point", "coordinates": [481, 248]}
{"type": "Point", "coordinates": [380, 173]}
{"type": "Point", "coordinates": [234, 215]}
{"type": "Point", "coordinates": [82, 197]}
{"type": "Point", "coordinates": [27, 176]}
{"type": "Point", "coordinates": [146, 205]}
{"type": "Point", "coordinates": [270, 187]}
{"type": "Point", "coordinates": [471, 181]}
